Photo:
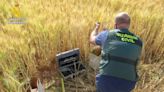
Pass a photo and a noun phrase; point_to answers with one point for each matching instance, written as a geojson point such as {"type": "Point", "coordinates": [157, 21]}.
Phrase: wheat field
{"type": "Point", "coordinates": [53, 26]}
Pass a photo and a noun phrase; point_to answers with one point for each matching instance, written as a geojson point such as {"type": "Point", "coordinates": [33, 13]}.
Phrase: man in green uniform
{"type": "Point", "coordinates": [121, 50]}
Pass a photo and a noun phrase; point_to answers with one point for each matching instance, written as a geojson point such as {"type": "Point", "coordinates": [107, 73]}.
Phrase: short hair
{"type": "Point", "coordinates": [122, 17]}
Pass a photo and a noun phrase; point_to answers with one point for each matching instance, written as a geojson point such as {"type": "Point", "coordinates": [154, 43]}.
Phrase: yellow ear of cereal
{"type": "Point", "coordinates": [96, 50]}
{"type": "Point", "coordinates": [15, 11]}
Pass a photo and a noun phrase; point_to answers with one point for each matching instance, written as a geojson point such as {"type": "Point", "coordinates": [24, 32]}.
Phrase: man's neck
{"type": "Point", "coordinates": [123, 29]}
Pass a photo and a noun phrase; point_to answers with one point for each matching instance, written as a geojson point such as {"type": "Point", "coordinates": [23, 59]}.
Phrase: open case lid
{"type": "Point", "coordinates": [69, 63]}
{"type": "Point", "coordinates": [66, 57]}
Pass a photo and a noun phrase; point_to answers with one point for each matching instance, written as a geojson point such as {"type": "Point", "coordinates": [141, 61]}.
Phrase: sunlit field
{"type": "Point", "coordinates": [53, 26]}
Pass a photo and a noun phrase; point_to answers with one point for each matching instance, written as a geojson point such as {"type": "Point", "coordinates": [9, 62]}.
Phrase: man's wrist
{"type": "Point", "coordinates": [97, 28]}
{"type": "Point", "coordinates": [95, 32]}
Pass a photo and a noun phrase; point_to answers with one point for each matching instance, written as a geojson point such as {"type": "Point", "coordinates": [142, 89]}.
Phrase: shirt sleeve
{"type": "Point", "coordinates": [101, 38]}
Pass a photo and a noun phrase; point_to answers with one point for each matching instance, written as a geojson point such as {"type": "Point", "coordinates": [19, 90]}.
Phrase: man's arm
{"type": "Point", "coordinates": [94, 34]}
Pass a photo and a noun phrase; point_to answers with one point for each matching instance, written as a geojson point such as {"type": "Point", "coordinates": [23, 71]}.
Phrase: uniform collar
{"type": "Point", "coordinates": [124, 30]}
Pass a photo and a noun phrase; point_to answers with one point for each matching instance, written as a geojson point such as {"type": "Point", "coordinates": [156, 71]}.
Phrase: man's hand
{"type": "Point", "coordinates": [94, 33]}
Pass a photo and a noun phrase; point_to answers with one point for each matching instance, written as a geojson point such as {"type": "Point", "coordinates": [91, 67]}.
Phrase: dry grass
{"type": "Point", "coordinates": [53, 26]}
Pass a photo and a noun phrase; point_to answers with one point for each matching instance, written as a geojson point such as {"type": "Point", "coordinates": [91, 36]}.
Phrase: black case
{"type": "Point", "coordinates": [69, 63]}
